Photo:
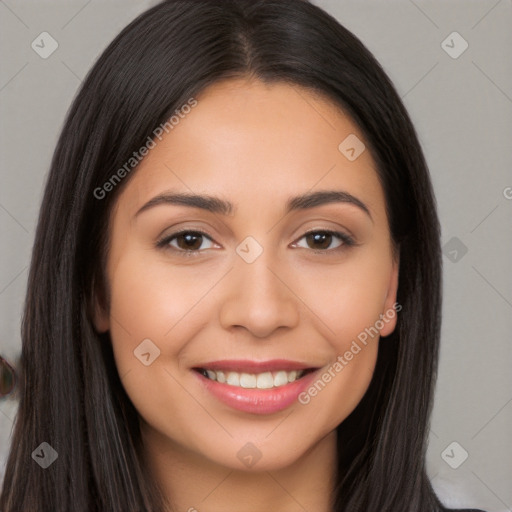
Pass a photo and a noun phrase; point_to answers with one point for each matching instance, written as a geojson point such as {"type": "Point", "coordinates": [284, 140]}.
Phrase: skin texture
{"type": "Point", "coordinates": [255, 145]}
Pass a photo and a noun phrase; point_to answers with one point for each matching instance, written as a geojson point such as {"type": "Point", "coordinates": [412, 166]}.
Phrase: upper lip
{"type": "Point", "coordinates": [248, 366]}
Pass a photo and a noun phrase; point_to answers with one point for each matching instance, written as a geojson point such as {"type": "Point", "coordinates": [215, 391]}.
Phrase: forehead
{"type": "Point", "coordinates": [253, 142]}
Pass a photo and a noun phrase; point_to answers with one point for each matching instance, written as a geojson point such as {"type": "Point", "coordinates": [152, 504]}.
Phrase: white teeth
{"type": "Point", "coordinates": [265, 380]}
{"type": "Point", "coordinates": [233, 379]}
{"type": "Point", "coordinates": [247, 380]}
{"type": "Point", "coordinates": [280, 379]}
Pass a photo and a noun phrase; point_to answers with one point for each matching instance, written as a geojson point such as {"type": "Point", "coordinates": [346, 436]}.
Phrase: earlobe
{"type": "Point", "coordinates": [100, 318]}
{"type": "Point", "coordinates": [391, 308]}
{"type": "Point", "coordinates": [99, 312]}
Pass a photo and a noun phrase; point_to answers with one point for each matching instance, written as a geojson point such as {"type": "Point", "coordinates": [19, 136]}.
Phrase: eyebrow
{"type": "Point", "coordinates": [220, 206]}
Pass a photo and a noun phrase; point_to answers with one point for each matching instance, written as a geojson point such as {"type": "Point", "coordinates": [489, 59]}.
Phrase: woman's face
{"type": "Point", "coordinates": [274, 288]}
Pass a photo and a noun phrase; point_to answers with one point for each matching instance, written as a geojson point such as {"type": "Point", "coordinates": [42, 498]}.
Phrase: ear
{"type": "Point", "coordinates": [390, 312]}
{"type": "Point", "coordinates": [100, 319]}
{"type": "Point", "coordinates": [99, 309]}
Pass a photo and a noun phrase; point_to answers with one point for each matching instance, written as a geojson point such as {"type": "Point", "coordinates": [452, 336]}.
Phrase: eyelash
{"type": "Point", "coordinates": [164, 242]}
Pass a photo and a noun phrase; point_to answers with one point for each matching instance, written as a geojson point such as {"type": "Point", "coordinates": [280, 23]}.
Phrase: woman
{"type": "Point", "coordinates": [235, 293]}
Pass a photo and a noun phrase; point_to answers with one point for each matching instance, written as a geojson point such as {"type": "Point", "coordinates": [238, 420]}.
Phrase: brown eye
{"type": "Point", "coordinates": [189, 241]}
{"type": "Point", "coordinates": [325, 240]}
{"type": "Point", "coordinates": [319, 240]}
{"type": "Point", "coordinates": [186, 242]}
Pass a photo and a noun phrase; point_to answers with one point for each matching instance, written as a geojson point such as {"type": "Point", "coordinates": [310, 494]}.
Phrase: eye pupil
{"type": "Point", "coordinates": [190, 240]}
{"type": "Point", "coordinates": [322, 238]}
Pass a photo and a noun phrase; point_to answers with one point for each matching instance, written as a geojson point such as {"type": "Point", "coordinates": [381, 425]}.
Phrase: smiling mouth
{"type": "Point", "coordinates": [263, 380]}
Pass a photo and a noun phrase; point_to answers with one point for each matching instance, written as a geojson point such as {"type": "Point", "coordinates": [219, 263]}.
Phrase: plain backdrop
{"type": "Point", "coordinates": [451, 62]}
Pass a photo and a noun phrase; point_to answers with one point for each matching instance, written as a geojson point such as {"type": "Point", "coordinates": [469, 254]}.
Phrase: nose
{"type": "Point", "coordinates": [259, 297]}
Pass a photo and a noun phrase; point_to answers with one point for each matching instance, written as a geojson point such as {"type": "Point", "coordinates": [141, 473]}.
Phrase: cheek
{"type": "Point", "coordinates": [348, 298]}
{"type": "Point", "coordinates": [142, 307]}
{"type": "Point", "coordinates": [347, 301]}
{"type": "Point", "coordinates": [337, 391]}
{"type": "Point", "coordinates": [149, 302]}
{"type": "Point", "coordinates": [150, 299]}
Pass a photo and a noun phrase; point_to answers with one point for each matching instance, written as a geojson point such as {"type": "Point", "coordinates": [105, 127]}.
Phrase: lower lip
{"type": "Point", "coordinates": [257, 401]}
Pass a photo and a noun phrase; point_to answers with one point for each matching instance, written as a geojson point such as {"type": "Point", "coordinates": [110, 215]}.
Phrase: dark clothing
{"type": "Point", "coordinates": [464, 510]}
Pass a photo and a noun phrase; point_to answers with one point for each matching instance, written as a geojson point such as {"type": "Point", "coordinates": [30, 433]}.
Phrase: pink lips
{"type": "Point", "coordinates": [256, 401]}
{"type": "Point", "coordinates": [239, 365]}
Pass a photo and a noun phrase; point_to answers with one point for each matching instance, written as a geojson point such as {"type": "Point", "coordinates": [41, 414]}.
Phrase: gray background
{"type": "Point", "coordinates": [462, 109]}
